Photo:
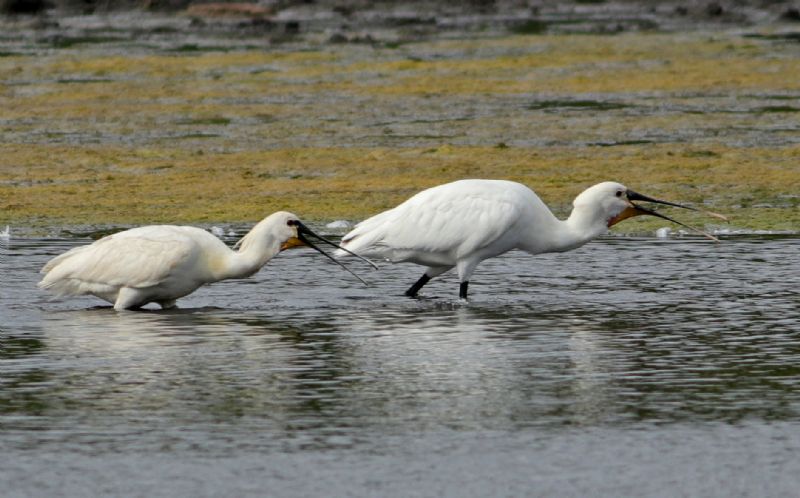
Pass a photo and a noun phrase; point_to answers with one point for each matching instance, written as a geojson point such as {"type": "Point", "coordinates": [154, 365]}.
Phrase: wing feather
{"type": "Point", "coordinates": [140, 258]}
{"type": "Point", "coordinates": [455, 218]}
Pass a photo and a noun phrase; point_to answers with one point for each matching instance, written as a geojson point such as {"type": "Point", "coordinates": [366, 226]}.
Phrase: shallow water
{"type": "Point", "coordinates": [630, 367]}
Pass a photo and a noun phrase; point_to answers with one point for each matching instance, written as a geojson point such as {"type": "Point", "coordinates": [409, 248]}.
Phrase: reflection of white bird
{"type": "Point", "coordinates": [462, 223]}
{"type": "Point", "coordinates": [162, 263]}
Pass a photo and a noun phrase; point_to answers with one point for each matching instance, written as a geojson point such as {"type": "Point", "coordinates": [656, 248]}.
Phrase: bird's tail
{"type": "Point", "coordinates": [58, 277]}
{"type": "Point", "coordinates": [364, 239]}
{"type": "Point", "coordinates": [60, 287]}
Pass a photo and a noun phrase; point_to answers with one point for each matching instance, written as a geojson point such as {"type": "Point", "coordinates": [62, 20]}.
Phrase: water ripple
{"type": "Point", "coordinates": [620, 335]}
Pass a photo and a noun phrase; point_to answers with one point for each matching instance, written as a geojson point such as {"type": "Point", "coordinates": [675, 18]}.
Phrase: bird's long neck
{"type": "Point", "coordinates": [255, 250]}
{"type": "Point", "coordinates": [582, 226]}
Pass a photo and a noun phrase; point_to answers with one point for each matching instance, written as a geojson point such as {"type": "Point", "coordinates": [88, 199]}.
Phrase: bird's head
{"type": "Point", "coordinates": [291, 232]}
{"type": "Point", "coordinates": [614, 202]}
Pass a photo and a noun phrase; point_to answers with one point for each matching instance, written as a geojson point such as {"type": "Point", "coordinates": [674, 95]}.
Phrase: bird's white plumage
{"type": "Point", "coordinates": [443, 224]}
{"type": "Point", "coordinates": [140, 258]}
{"type": "Point", "coordinates": [161, 263]}
{"type": "Point", "coordinates": [460, 224]}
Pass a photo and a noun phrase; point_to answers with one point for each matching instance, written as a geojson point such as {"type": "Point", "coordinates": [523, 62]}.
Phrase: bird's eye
{"type": "Point", "coordinates": [291, 223]}
{"type": "Point", "coordinates": [619, 193]}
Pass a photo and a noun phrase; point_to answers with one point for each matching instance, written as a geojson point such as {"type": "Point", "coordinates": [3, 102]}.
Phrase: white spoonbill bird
{"type": "Point", "coordinates": [161, 263]}
{"type": "Point", "coordinates": [459, 224]}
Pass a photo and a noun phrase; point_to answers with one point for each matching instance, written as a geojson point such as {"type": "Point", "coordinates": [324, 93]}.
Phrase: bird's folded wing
{"type": "Point", "coordinates": [465, 224]}
{"type": "Point", "coordinates": [121, 261]}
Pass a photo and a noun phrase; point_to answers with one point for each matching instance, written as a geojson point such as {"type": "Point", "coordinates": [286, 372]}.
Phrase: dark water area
{"type": "Point", "coordinates": [630, 367]}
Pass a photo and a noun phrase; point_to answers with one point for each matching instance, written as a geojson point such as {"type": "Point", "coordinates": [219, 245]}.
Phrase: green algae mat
{"type": "Point", "coordinates": [109, 134]}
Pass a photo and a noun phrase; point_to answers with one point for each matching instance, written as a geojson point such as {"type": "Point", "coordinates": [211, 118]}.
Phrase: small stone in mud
{"type": "Point", "coordinates": [714, 9]}
{"type": "Point", "coordinates": [339, 224]}
{"type": "Point", "coordinates": [791, 14]}
{"type": "Point", "coordinates": [228, 10]}
{"type": "Point", "coordinates": [337, 38]}
{"type": "Point", "coordinates": [344, 10]}
{"type": "Point", "coordinates": [23, 6]}
{"type": "Point", "coordinates": [260, 23]}
{"type": "Point", "coordinates": [291, 27]}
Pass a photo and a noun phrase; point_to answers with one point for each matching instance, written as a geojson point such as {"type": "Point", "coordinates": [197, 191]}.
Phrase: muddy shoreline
{"type": "Point", "coordinates": [131, 117]}
{"type": "Point", "coordinates": [375, 23]}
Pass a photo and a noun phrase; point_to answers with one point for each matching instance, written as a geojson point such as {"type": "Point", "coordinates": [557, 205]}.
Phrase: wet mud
{"type": "Point", "coordinates": [126, 117]}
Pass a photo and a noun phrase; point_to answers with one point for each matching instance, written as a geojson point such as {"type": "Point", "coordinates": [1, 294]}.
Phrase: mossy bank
{"type": "Point", "coordinates": [118, 134]}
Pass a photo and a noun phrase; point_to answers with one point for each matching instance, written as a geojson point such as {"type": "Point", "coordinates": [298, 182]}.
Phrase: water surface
{"type": "Point", "coordinates": [630, 367]}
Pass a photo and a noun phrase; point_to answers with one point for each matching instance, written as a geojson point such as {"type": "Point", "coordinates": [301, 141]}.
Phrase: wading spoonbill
{"type": "Point", "coordinates": [161, 263]}
{"type": "Point", "coordinates": [459, 224]}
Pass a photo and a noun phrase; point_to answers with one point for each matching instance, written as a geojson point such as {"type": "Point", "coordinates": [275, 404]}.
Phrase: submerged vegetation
{"type": "Point", "coordinates": [127, 135]}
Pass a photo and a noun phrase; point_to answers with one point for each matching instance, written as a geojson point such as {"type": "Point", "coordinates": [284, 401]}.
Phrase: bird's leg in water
{"type": "Point", "coordinates": [412, 291]}
{"type": "Point", "coordinates": [128, 298]}
{"type": "Point", "coordinates": [462, 290]}
{"type": "Point", "coordinates": [166, 305]}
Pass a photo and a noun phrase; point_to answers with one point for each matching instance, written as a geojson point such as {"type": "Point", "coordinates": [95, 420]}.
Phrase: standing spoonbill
{"type": "Point", "coordinates": [161, 263]}
{"type": "Point", "coordinates": [460, 224]}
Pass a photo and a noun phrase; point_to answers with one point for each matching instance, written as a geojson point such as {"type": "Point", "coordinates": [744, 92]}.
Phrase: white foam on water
{"type": "Point", "coordinates": [5, 237]}
{"type": "Point", "coordinates": [338, 224]}
{"type": "Point", "coordinates": [734, 231]}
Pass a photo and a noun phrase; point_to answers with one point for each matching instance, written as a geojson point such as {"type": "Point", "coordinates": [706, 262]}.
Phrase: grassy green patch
{"type": "Point", "coordinates": [195, 47]}
{"type": "Point", "coordinates": [69, 81]}
{"type": "Point", "coordinates": [72, 41]}
{"type": "Point", "coordinates": [571, 105]}
{"type": "Point", "coordinates": [621, 143]}
{"type": "Point", "coordinates": [174, 185]}
{"type": "Point", "coordinates": [777, 109]}
{"type": "Point", "coordinates": [530, 27]}
{"type": "Point", "coordinates": [210, 121]}
{"type": "Point", "coordinates": [344, 131]}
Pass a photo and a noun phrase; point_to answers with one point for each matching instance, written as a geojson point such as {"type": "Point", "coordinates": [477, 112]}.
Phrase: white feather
{"type": "Point", "coordinates": [443, 224]}
{"type": "Point", "coordinates": [460, 224]}
{"type": "Point", "coordinates": [161, 263]}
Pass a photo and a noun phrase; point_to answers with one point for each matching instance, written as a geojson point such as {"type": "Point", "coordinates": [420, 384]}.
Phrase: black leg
{"type": "Point", "coordinates": [462, 290]}
{"type": "Point", "coordinates": [412, 291]}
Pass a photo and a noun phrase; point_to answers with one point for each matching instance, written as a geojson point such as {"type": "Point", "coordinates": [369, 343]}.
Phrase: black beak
{"type": "Point", "coordinates": [303, 230]}
{"type": "Point", "coordinates": [635, 196]}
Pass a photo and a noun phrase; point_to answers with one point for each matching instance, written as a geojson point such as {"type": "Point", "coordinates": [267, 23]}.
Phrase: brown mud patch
{"type": "Point", "coordinates": [123, 132]}
{"type": "Point", "coordinates": [93, 185]}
